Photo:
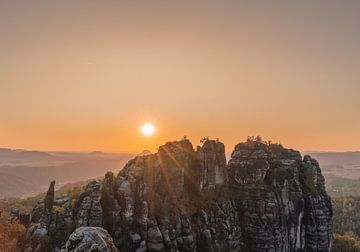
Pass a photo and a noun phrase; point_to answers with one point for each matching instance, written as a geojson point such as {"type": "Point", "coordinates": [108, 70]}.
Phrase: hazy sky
{"type": "Point", "coordinates": [85, 75]}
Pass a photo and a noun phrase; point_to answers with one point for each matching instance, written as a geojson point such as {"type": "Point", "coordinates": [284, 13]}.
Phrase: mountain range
{"type": "Point", "coordinates": [25, 173]}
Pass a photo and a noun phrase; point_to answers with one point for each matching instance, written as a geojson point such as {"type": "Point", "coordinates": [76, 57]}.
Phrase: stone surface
{"type": "Point", "coordinates": [37, 238]}
{"type": "Point", "coordinates": [50, 196]}
{"type": "Point", "coordinates": [88, 210]}
{"type": "Point", "coordinates": [89, 239]}
{"type": "Point", "coordinates": [267, 198]}
{"type": "Point", "coordinates": [318, 208]}
{"type": "Point", "coordinates": [213, 164]}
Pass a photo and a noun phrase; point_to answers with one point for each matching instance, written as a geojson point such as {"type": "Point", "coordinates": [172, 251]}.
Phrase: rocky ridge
{"type": "Point", "coordinates": [267, 198]}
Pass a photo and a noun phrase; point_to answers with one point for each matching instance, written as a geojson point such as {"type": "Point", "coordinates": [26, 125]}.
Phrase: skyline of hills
{"type": "Point", "coordinates": [25, 173]}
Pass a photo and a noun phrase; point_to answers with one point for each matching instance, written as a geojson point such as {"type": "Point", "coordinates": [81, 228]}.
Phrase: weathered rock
{"type": "Point", "coordinates": [109, 204]}
{"type": "Point", "coordinates": [266, 199]}
{"type": "Point", "coordinates": [213, 164]}
{"type": "Point", "coordinates": [24, 219]}
{"type": "Point", "coordinates": [14, 213]}
{"type": "Point", "coordinates": [275, 202]}
{"type": "Point", "coordinates": [89, 239]}
{"type": "Point", "coordinates": [155, 239]}
{"type": "Point", "coordinates": [318, 209]}
{"type": "Point", "coordinates": [50, 229]}
{"type": "Point", "coordinates": [38, 211]}
{"type": "Point", "coordinates": [37, 238]}
{"type": "Point", "coordinates": [50, 196]}
{"type": "Point", "coordinates": [88, 207]}
{"type": "Point", "coordinates": [60, 224]}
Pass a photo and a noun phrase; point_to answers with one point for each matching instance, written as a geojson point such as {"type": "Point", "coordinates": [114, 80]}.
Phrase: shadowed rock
{"type": "Point", "coordinates": [267, 198]}
{"type": "Point", "coordinates": [85, 239]}
{"type": "Point", "coordinates": [213, 164]}
{"type": "Point", "coordinates": [50, 196]}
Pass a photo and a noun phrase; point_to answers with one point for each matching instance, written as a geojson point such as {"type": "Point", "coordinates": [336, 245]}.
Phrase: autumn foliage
{"type": "Point", "coordinates": [11, 234]}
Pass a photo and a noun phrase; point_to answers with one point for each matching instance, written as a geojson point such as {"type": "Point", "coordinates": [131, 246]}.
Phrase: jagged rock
{"type": "Point", "coordinates": [50, 230]}
{"type": "Point", "coordinates": [266, 199]}
{"type": "Point", "coordinates": [60, 223]}
{"type": "Point", "coordinates": [263, 199]}
{"type": "Point", "coordinates": [50, 196]}
{"type": "Point", "coordinates": [155, 239]}
{"type": "Point", "coordinates": [24, 219]}
{"type": "Point", "coordinates": [213, 164]}
{"type": "Point", "coordinates": [14, 213]}
{"type": "Point", "coordinates": [38, 211]}
{"type": "Point", "coordinates": [90, 239]}
{"type": "Point", "coordinates": [88, 206]}
{"type": "Point", "coordinates": [37, 238]}
{"type": "Point", "coordinates": [318, 209]}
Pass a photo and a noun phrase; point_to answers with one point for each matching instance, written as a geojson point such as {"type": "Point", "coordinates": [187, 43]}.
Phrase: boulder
{"type": "Point", "coordinates": [89, 239]}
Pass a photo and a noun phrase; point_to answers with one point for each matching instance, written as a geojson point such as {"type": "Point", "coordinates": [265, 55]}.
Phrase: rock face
{"type": "Point", "coordinates": [318, 207]}
{"type": "Point", "coordinates": [267, 198]}
{"type": "Point", "coordinates": [49, 198]}
{"type": "Point", "coordinates": [281, 199]}
{"type": "Point", "coordinates": [88, 211]}
{"type": "Point", "coordinates": [213, 164]}
{"type": "Point", "coordinates": [85, 239]}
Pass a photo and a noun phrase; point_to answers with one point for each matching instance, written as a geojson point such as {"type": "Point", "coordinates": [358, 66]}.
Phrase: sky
{"type": "Point", "coordinates": [86, 74]}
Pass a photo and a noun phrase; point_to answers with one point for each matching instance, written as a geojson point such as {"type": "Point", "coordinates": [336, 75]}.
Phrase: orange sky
{"type": "Point", "coordinates": [85, 75]}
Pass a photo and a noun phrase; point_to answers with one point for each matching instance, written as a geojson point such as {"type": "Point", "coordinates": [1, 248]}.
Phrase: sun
{"type": "Point", "coordinates": [148, 129]}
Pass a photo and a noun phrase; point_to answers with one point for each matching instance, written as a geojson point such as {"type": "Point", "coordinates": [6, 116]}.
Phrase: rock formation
{"type": "Point", "coordinates": [49, 198]}
{"type": "Point", "coordinates": [88, 211]}
{"type": "Point", "coordinates": [16, 215]}
{"type": "Point", "coordinates": [85, 239]}
{"type": "Point", "coordinates": [213, 164]}
{"type": "Point", "coordinates": [267, 198]}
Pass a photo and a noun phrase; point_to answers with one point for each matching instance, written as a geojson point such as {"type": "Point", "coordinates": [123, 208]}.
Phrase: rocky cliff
{"type": "Point", "coordinates": [267, 198]}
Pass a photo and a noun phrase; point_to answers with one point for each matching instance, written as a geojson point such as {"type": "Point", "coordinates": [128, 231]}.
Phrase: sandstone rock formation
{"type": "Point", "coordinates": [49, 198]}
{"type": "Point", "coordinates": [267, 198]}
{"type": "Point", "coordinates": [87, 239]}
{"type": "Point", "coordinates": [88, 211]}
{"type": "Point", "coordinates": [213, 164]}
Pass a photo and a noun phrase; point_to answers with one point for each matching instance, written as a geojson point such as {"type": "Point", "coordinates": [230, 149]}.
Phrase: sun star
{"type": "Point", "coordinates": [148, 129]}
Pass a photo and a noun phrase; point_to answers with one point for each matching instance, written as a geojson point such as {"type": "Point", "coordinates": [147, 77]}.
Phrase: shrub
{"type": "Point", "coordinates": [11, 234]}
{"type": "Point", "coordinates": [347, 242]}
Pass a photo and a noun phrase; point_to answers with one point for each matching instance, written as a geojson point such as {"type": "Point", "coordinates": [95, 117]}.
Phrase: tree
{"type": "Point", "coordinates": [254, 139]}
{"type": "Point", "coordinates": [203, 140]}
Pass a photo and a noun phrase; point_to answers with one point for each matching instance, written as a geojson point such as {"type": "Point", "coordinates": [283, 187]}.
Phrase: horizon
{"type": "Point", "coordinates": [227, 149]}
{"type": "Point", "coordinates": [87, 75]}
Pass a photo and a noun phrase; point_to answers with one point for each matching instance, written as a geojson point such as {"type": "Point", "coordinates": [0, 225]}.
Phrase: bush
{"type": "Point", "coordinates": [11, 234]}
{"type": "Point", "coordinates": [58, 209]}
{"type": "Point", "coordinates": [347, 242]}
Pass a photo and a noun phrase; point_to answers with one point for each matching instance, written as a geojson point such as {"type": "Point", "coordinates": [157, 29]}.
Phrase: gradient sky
{"type": "Point", "coordinates": [85, 74]}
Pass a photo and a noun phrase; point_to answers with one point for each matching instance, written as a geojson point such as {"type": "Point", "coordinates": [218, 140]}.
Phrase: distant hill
{"type": "Point", "coordinates": [9, 156]}
{"type": "Point", "coordinates": [27, 204]}
{"type": "Point", "coordinates": [26, 173]}
{"type": "Point", "coordinates": [339, 164]}
{"type": "Point", "coordinates": [341, 170]}
{"type": "Point", "coordinates": [342, 187]}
